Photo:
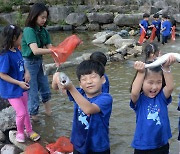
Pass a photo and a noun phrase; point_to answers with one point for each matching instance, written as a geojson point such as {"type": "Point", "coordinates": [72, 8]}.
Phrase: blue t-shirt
{"type": "Point", "coordinates": [152, 122]}
{"type": "Point", "coordinates": [145, 24]}
{"type": "Point", "coordinates": [91, 132]}
{"type": "Point", "coordinates": [12, 64]}
{"type": "Point", "coordinates": [157, 25]}
{"type": "Point", "coordinates": [166, 24]}
{"type": "Point", "coordinates": [105, 86]}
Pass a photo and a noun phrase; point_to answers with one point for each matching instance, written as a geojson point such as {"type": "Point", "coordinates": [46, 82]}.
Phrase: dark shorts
{"type": "Point", "coordinates": [103, 152]}
{"type": "Point", "coordinates": [162, 150]}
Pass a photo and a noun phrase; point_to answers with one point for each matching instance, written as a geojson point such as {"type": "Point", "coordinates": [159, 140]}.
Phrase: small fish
{"type": "Point", "coordinates": [161, 60]}
{"type": "Point", "coordinates": [64, 79]}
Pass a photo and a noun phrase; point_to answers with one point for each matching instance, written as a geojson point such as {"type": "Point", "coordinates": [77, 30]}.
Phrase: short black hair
{"type": "Point", "coordinates": [165, 16]}
{"type": "Point", "coordinates": [156, 15]}
{"type": "Point", "coordinates": [146, 15]}
{"type": "Point", "coordinates": [99, 56]}
{"type": "Point", "coordinates": [89, 66]}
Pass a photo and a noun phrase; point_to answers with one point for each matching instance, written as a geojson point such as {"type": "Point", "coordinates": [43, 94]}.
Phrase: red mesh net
{"type": "Point", "coordinates": [64, 49]}
{"type": "Point", "coordinates": [153, 34]}
{"type": "Point", "coordinates": [35, 148]}
{"type": "Point", "coordinates": [142, 36]}
{"type": "Point", "coordinates": [62, 144]}
{"type": "Point", "coordinates": [173, 33]}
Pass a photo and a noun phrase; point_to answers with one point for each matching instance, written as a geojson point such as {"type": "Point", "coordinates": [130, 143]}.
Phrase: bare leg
{"type": "Point", "coordinates": [47, 107]}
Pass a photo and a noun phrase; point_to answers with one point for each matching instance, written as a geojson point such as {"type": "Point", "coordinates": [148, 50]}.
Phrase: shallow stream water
{"type": "Point", "coordinates": [122, 122]}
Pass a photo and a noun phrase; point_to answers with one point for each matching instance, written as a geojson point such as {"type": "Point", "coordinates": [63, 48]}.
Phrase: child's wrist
{"type": "Point", "coordinates": [166, 69]}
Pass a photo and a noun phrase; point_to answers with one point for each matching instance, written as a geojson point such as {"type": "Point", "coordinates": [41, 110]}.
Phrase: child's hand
{"type": "Point", "coordinates": [171, 60]}
{"type": "Point", "coordinates": [24, 85]}
{"type": "Point", "coordinates": [55, 81]}
{"type": "Point", "coordinates": [27, 76]}
{"type": "Point", "coordinates": [56, 77]}
{"type": "Point", "coordinates": [139, 66]}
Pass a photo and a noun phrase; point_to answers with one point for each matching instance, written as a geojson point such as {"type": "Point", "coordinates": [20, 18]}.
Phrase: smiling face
{"type": "Point", "coordinates": [152, 84]}
{"type": "Point", "coordinates": [91, 84]}
{"type": "Point", "coordinates": [41, 19]}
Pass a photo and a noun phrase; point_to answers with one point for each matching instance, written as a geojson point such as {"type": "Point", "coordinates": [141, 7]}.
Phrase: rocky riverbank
{"type": "Point", "coordinates": [112, 16]}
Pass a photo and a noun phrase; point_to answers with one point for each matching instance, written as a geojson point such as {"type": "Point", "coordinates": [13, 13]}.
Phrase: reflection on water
{"type": "Point", "coordinates": [122, 122]}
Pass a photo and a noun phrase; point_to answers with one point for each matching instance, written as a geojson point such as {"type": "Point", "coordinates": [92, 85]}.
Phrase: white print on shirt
{"type": "Point", "coordinates": [153, 114]}
{"type": "Point", "coordinates": [83, 119]}
{"type": "Point", "coordinates": [20, 65]}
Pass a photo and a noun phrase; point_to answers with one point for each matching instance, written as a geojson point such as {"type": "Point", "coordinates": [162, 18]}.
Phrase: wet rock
{"type": "Point", "coordinates": [7, 119]}
{"type": "Point", "coordinates": [2, 137]}
{"type": "Point", "coordinates": [10, 149]}
{"type": "Point", "coordinates": [3, 103]}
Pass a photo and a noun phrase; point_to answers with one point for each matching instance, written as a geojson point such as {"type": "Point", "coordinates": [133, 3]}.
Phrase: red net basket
{"type": "Point", "coordinates": [35, 148]}
{"type": "Point", "coordinates": [62, 144]}
{"type": "Point", "coordinates": [64, 49]}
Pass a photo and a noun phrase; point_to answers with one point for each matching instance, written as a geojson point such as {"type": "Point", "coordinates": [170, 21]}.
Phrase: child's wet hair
{"type": "Point", "coordinates": [157, 69]}
{"type": "Point", "coordinates": [149, 49]}
{"type": "Point", "coordinates": [99, 56]}
{"type": "Point", "coordinates": [88, 66]}
{"type": "Point", "coordinates": [36, 10]}
{"type": "Point", "coordinates": [9, 34]}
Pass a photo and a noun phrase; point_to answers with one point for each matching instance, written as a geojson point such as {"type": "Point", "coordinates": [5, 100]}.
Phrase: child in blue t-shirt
{"type": "Point", "coordinates": [92, 108]}
{"type": "Point", "coordinates": [14, 80]}
{"type": "Point", "coordinates": [157, 24]}
{"type": "Point", "coordinates": [144, 24]}
{"type": "Point", "coordinates": [165, 28]}
{"type": "Point", "coordinates": [150, 95]}
{"type": "Point", "coordinates": [101, 57]}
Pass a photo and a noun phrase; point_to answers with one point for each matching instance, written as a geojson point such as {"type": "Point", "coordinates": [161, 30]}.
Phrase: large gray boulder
{"type": "Point", "coordinates": [59, 12]}
{"type": "Point", "coordinates": [76, 19]}
{"type": "Point", "coordinates": [128, 19]}
{"type": "Point", "coordinates": [101, 18]}
{"type": "Point", "coordinates": [7, 119]}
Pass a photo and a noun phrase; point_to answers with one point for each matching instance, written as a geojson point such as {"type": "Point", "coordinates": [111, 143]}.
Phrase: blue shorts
{"type": "Point", "coordinates": [39, 85]}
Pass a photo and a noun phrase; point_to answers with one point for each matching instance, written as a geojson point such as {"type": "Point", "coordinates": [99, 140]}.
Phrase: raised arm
{"type": "Point", "coordinates": [138, 81]}
{"type": "Point", "coordinates": [84, 104]}
{"type": "Point", "coordinates": [168, 89]}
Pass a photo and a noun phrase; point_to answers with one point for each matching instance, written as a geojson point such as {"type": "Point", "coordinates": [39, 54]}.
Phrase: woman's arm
{"type": "Point", "coordinates": [39, 51]}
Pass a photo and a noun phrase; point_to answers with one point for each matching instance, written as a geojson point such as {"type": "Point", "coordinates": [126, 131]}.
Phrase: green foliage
{"type": "Point", "coordinates": [6, 6]}
{"type": "Point", "coordinates": [20, 19]}
{"type": "Point", "coordinates": [62, 22]}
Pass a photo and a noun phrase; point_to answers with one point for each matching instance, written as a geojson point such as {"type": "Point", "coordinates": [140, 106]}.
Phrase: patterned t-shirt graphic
{"type": "Point", "coordinates": [83, 118]}
{"type": "Point", "coordinates": [153, 114]}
